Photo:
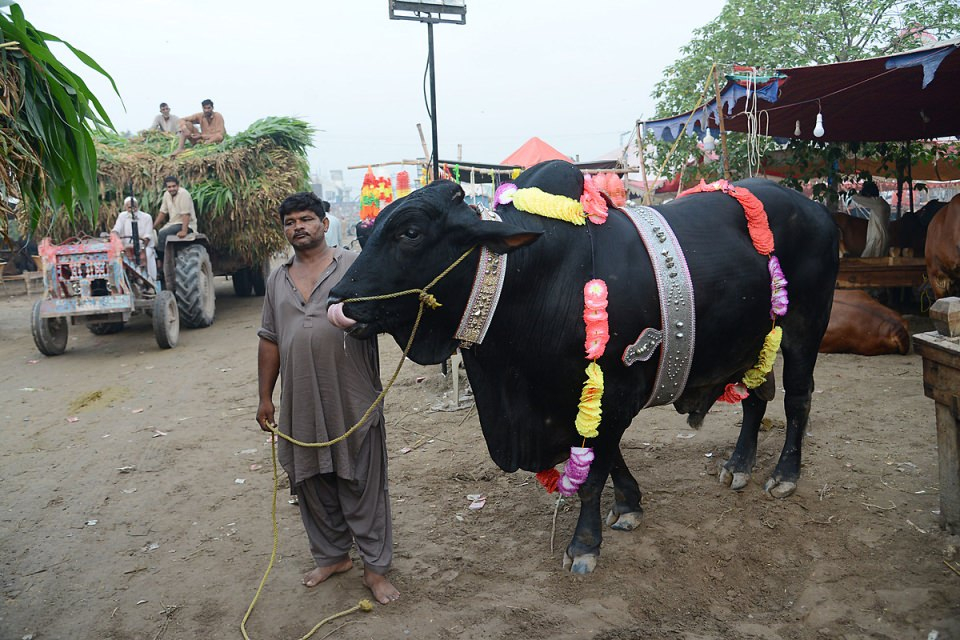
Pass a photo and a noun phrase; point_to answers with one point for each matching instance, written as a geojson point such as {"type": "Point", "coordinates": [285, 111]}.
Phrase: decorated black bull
{"type": "Point", "coordinates": [528, 319]}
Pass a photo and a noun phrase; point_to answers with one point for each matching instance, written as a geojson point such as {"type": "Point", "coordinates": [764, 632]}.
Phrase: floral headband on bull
{"type": "Point", "coordinates": [593, 207]}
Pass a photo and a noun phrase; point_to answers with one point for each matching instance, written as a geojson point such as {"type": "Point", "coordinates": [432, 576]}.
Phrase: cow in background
{"type": "Point", "coordinates": [528, 373]}
{"type": "Point", "coordinates": [861, 325]}
{"type": "Point", "coordinates": [943, 250]}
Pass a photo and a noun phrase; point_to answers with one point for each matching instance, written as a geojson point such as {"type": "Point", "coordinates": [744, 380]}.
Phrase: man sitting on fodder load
{"type": "Point", "coordinates": [212, 129]}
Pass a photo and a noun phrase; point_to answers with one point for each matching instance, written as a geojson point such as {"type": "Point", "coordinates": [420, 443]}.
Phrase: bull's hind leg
{"type": "Point", "coordinates": [626, 512]}
{"type": "Point", "coordinates": [735, 472]}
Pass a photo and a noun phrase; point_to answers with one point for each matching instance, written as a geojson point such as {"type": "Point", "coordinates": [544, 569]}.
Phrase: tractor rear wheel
{"type": "Point", "coordinates": [258, 280]}
{"type": "Point", "coordinates": [49, 334]}
{"type": "Point", "coordinates": [195, 294]}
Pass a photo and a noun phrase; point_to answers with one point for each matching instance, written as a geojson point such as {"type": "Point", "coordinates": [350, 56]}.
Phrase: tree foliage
{"type": "Point", "coordinates": [47, 114]}
{"type": "Point", "coordinates": [775, 34]}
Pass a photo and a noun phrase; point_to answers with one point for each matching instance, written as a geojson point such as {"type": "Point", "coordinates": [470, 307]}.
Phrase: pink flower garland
{"type": "Point", "coordinates": [592, 200]}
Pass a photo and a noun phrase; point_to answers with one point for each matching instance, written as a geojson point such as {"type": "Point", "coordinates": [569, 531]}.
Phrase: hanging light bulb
{"type": "Point", "coordinates": [796, 131]}
{"type": "Point", "coordinates": [709, 144]}
{"type": "Point", "coordinates": [818, 130]}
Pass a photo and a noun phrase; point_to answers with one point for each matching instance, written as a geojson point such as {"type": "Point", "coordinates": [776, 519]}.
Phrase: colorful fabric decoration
{"type": "Point", "coordinates": [588, 416]}
{"type": "Point", "coordinates": [548, 205]}
{"type": "Point", "coordinates": [778, 289]}
{"type": "Point", "coordinates": [549, 479]}
{"type": "Point", "coordinates": [504, 194]}
{"type": "Point", "coordinates": [758, 225]}
{"type": "Point", "coordinates": [575, 470]}
{"type": "Point", "coordinates": [592, 201]}
{"type": "Point", "coordinates": [768, 355]}
{"type": "Point", "coordinates": [612, 185]}
{"type": "Point", "coordinates": [369, 196]}
{"type": "Point", "coordinates": [403, 184]}
{"type": "Point", "coordinates": [595, 318]}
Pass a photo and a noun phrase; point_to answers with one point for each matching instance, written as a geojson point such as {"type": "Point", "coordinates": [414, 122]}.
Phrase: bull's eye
{"type": "Point", "coordinates": [410, 233]}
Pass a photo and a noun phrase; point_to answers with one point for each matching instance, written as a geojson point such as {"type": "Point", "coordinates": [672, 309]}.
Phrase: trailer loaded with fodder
{"type": "Point", "coordinates": [236, 187]}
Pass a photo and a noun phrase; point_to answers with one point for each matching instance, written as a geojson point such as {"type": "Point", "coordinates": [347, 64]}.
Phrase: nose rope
{"type": "Point", "coordinates": [426, 299]}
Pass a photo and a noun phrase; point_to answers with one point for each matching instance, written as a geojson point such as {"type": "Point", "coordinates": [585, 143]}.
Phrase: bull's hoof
{"type": "Point", "coordinates": [779, 488]}
{"type": "Point", "coordinates": [624, 521]}
{"type": "Point", "coordinates": [581, 564]}
{"type": "Point", "coordinates": [736, 480]}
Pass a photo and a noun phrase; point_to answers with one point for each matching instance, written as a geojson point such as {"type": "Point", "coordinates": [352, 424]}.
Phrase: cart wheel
{"type": "Point", "coordinates": [105, 328]}
{"type": "Point", "coordinates": [50, 334]}
{"type": "Point", "coordinates": [166, 320]}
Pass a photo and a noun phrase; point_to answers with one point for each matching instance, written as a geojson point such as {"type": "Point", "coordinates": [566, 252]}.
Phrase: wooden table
{"type": "Point", "coordinates": [941, 382]}
{"type": "Point", "coordinates": [861, 273]}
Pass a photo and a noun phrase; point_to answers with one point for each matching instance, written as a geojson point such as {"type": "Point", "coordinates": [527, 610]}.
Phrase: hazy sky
{"type": "Point", "coordinates": [576, 74]}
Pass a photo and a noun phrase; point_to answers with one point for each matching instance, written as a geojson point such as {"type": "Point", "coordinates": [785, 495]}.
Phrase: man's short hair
{"type": "Point", "coordinates": [326, 206]}
{"type": "Point", "coordinates": [206, 102]}
{"type": "Point", "coordinates": [131, 200]}
{"type": "Point", "coordinates": [870, 189]}
{"type": "Point", "coordinates": [163, 104]}
{"type": "Point", "coordinates": [172, 179]}
{"type": "Point", "coordinates": [303, 201]}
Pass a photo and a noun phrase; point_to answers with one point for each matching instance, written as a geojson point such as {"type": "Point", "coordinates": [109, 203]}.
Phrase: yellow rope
{"type": "Point", "coordinates": [363, 605]}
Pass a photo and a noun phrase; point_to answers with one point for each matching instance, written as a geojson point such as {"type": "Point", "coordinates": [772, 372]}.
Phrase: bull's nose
{"type": "Point", "coordinates": [337, 318]}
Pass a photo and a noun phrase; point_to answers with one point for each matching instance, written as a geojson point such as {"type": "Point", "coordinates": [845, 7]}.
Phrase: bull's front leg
{"type": "Point", "coordinates": [583, 551]}
{"type": "Point", "coordinates": [735, 472]}
{"type": "Point", "coordinates": [626, 512]}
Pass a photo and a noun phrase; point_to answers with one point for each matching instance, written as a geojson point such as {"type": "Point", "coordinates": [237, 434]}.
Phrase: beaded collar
{"type": "Point", "coordinates": [487, 285]}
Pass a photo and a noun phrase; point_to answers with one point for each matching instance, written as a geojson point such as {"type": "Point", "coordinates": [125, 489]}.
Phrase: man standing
{"type": "Point", "coordinates": [177, 207]}
{"type": "Point", "coordinates": [212, 129]}
{"type": "Point", "coordinates": [328, 380]}
{"type": "Point", "coordinates": [165, 121]}
{"type": "Point", "coordinates": [878, 236]}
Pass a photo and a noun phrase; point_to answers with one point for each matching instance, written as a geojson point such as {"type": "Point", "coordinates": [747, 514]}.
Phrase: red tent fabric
{"type": "Point", "coordinates": [533, 151]}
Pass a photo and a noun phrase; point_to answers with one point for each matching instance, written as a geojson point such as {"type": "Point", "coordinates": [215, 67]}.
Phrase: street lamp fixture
{"type": "Point", "coordinates": [431, 12]}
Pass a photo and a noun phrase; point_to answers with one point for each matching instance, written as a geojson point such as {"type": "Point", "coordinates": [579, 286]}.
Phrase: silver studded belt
{"type": "Point", "coordinates": [487, 284]}
{"type": "Point", "coordinates": [677, 316]}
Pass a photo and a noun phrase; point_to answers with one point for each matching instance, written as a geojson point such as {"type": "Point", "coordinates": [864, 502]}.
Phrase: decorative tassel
{"type": "Point", "coordinates": [778, 289]}
{"type": "Point", "coordinates": [549, 479]}
{"type": "Point", "coordinates": [575, 470]}
{"type": "Point", "coordinates": [768, 355]}
{"type": "Point", "coordinates": [548, 205]}
{"type": "Point", "coordinates": [588, 416]}
{"type": "Point", "coordinates": [734, 393]}
{"type": "Point", "coordinates": [592, 201]}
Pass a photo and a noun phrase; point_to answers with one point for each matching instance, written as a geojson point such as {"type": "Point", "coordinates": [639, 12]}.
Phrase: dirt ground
{"type": "Point", "coordinates": [137, 505]}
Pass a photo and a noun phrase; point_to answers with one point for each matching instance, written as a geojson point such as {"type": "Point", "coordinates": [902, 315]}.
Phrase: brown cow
{"type": "Point", "coordinates": [943, 250]}
{"type": "Point", "coordinates": [859, 324]}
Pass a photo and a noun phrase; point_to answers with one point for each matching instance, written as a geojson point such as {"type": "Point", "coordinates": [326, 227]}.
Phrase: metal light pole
{"type": "Point", "coordinates": [431, 12]}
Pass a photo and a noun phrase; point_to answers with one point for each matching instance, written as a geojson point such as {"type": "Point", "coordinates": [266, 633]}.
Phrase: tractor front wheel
{"type": "Point", "coordinates": [49, 334]}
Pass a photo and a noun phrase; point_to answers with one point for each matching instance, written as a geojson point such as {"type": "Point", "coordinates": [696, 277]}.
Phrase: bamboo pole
{"type": "Point", "coordinates": [426, 154]}
{"type": "Point", "coordinates": [723, 130]}
{"type": "Point", "coordinates": [647, 199]}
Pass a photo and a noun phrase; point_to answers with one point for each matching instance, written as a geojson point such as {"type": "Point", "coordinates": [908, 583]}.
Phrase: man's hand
{"type": "Point", "coordinates": [182, 233]}
{"type": "Point", "coordinates": [265, 414]}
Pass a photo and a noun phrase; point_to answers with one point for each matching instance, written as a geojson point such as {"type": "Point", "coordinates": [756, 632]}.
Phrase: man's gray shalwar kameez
{"type": "Point", "coordinates": [327, 382]}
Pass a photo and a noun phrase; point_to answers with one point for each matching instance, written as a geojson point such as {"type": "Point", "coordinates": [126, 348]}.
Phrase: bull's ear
{"type": "Point", "coordinates": [500, 237]}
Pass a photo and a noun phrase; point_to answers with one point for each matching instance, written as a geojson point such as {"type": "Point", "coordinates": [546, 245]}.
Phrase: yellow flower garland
{"type": "Point", "coordinates": [541, 203]}
{"type": "Point", "coordinates": [588, 417]}
{"type": "Point", "coordinates": [768, 355]}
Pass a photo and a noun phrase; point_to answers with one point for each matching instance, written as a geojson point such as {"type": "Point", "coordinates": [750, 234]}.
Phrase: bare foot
{"type": "Point", "coordinates": [318, 575]}
{"type": "Point", "coordinates": [382, 590]}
